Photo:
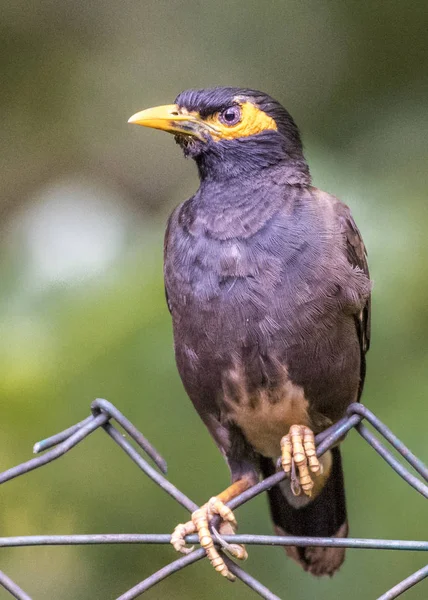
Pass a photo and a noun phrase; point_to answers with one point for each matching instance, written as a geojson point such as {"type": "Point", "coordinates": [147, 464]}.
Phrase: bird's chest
{"type": "Point", "coordinates": [239, 288]}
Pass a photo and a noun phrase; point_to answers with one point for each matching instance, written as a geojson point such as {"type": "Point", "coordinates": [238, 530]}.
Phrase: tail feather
{"type": "Point", "coordinates": [324, 516]}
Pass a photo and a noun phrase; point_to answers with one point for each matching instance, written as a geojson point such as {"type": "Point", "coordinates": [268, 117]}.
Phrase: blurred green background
{"type": "Point", "coordinates": [83, 208]}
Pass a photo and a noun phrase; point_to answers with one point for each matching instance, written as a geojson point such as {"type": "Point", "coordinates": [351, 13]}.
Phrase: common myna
{"type": "Point", "coordinates": [267, 282]}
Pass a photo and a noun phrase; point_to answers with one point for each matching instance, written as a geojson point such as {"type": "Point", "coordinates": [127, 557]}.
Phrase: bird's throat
{"type": "Point", "coordinates": [227, 160]}
{"type": "Point", "coordinates": [240, 207]}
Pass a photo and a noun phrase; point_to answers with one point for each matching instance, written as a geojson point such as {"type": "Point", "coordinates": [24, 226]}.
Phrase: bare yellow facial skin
{"type": "Point", "coordinates": [253, 121]}
{"type": "Point", "coordinates": [177, 120]}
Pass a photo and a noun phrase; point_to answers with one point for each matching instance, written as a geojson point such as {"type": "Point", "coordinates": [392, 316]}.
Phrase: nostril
{"type": "Point", "coordinates": [174, 113]}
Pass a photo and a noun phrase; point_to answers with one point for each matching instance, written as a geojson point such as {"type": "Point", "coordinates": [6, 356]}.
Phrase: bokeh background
{"type": "Point", "coordinates": [83, 206]}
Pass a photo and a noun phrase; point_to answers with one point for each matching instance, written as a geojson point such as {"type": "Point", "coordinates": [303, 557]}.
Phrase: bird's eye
{"type": "Point", "coordinates": [231, 115]}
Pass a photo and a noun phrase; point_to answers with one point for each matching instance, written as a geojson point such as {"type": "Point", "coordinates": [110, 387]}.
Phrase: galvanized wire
{"type": "Point", "coordinates": [12, 587]}
{"type": "Point", "coordinates": [406, 584]}
{"type": "Point", "coordinates": [102, 414]}
{"type": "Point", "coordinates": [255, 540]}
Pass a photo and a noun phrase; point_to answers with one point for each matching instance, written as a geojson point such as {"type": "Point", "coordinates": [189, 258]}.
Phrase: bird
{"type": "Point", "coordinates": [267, 281]}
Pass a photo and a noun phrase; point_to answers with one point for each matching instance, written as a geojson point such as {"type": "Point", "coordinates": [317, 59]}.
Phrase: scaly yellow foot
{"type": "Point", "coordinates": [200, 525]}
{"type": "Point", "coordinates": [298, 450]}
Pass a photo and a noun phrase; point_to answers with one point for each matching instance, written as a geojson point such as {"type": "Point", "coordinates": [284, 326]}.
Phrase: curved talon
{"type": "Point", "coordinates": [236, 550]}
{"type": "Point", "coordinates": [178, 537]}
{"type": "Point", "coordinates": [298, 449]}
{"type": "Point", "coordinates": [294, 480]}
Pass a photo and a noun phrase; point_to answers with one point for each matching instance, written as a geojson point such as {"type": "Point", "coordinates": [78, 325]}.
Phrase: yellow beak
{"type": "Point", "coordinates": [170, 118]}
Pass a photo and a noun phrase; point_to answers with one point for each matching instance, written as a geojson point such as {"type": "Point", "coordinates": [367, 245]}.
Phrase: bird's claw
{"type": "Point", "coordinates": [235, 550]}
{"type": "Point", "coordinates": [200, 525]}
{"type": "Point", "coordinates": [178, 537]}
{"type": "Point", "coordinates": [298, 450]}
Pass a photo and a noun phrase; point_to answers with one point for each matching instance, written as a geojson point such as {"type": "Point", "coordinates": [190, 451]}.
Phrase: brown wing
{"type": "Point", "coordinates": [357, 256]}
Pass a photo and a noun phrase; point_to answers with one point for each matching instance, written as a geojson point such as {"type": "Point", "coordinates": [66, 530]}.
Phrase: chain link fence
{"type": "Point", "coordinates": [102, 415]}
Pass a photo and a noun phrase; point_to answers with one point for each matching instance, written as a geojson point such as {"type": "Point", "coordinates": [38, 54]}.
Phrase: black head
{"type": "Point", "coordinates": [231, 131]}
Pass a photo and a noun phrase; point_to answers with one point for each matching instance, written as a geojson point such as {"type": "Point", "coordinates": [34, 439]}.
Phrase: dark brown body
{"type": "Point", "coordinates": [267, 282]}
{"type": "Point", "coordinates": [266, 312]}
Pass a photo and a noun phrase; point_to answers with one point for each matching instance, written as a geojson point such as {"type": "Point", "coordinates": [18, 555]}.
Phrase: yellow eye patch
{"type": "Point", "coordinates": [253, 121]}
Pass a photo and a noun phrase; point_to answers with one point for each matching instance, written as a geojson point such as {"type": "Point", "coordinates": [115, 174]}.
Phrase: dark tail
{"type": "Point", "coordinates": [324, 516]}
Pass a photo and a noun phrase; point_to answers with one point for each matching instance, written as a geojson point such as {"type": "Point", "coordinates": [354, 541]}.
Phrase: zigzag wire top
{"type": "Point", "coordinates": [102, 413]}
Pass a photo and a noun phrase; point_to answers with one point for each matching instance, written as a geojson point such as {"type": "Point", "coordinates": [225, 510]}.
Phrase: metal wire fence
{"type": "Point", "coordinates": [103, 413]}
